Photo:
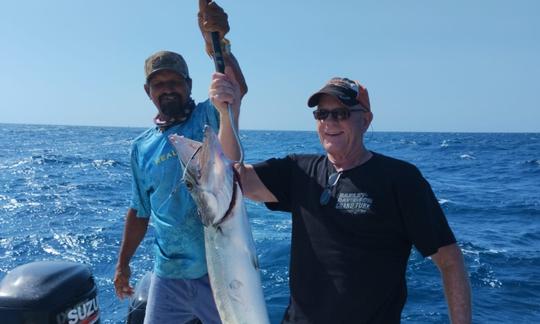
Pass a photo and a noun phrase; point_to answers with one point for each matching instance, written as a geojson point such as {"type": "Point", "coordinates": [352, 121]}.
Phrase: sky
{"type": "Point", "coordinates": [454, 66]}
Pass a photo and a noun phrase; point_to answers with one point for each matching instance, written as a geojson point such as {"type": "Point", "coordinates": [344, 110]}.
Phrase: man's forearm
{"type": "Point", "coordinates": [457, 289]}
{"type": "Point", "coordinates": [134, 232]}
{"type": "Point", "coordinates": [458, 294]}
{"type": "Point", "coordinates": [231, 61]}
{"type": "Point", "coordinates": [227, 139]}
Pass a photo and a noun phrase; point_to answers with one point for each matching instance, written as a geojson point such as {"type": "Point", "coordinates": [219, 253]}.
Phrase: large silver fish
{"type": "Point", "coordinates": [230, 251]}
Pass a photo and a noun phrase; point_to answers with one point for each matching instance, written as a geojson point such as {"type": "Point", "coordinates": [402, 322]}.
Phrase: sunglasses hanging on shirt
{"type": "Point", "coordinates": [327, 192]}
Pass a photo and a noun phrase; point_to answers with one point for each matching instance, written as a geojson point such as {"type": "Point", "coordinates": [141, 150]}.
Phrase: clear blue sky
{"type": "Point", "coordinates": [428, 65]}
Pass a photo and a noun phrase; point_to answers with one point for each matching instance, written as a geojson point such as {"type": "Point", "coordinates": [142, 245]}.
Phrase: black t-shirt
{"type": "Point", "coordinates": [348, 258]}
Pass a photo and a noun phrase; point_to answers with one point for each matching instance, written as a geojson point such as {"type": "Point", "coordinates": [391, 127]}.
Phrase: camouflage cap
{"type": "Point", "coordinates": [165, 60]}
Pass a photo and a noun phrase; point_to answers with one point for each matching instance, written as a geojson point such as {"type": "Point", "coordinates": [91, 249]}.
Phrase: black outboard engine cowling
{"type": "Point", "coordinates": [49, 292]}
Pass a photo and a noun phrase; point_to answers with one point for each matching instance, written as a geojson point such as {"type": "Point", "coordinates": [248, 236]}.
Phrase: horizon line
{"type": "Point", "coordinates": [289, 130]}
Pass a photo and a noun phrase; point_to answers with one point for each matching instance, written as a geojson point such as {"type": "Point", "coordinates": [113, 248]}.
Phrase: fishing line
{"type": "Point", "coordinates": [181, 179]}
{"type": "Point", "coordinates": [188, 162]}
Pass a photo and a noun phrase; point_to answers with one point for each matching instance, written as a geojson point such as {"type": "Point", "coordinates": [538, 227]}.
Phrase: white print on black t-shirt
{"type": "Point", "coordinates": [354, 203]}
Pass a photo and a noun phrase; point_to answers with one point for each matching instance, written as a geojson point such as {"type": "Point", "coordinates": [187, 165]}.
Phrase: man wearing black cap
{"type": "Point", "coordinates": [179, 291]}
{"type": "Point", "coordinates": [355, 216]}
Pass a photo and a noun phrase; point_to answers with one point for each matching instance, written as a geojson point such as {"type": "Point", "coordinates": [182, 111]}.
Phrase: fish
{"type": "Point", "coordinates": [232, 262]}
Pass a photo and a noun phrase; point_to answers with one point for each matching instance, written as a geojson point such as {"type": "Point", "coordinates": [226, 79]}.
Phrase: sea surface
{"type": "Point", "coordinates": [64, 191]}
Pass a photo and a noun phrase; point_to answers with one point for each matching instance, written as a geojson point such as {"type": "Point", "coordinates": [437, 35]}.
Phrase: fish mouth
{"type": "Point", "coordinates": [208, 175]}
{"type": "Point", "coordinates": [194, 155]}
{"type": "Point", "coordinates": [187, 151]}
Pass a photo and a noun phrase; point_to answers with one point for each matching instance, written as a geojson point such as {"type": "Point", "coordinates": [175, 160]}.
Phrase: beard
{"type": "Point", "coordinates": [171, 105]}
{"type": "Point", "coordinates": [173, 109]}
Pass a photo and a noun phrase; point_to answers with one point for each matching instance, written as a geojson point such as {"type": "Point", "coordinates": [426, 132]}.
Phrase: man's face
{"type": "Point", "coordinates": [168, 91]}
{"type": "Point", "coordinates": [342, 138]}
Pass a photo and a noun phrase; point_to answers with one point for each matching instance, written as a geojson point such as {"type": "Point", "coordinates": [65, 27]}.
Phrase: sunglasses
{"type": "Point", "coordinates": [327, 192]}
{"type": "Point", "coordinates": [341, 113]}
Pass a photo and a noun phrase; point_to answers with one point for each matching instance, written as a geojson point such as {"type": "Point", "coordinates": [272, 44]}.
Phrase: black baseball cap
{"type": "Point", "coordinates": [349, 92]}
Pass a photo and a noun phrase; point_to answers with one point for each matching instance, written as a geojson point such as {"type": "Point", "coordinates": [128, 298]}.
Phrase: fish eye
{"type": "Point", "coordinates": [189, 185]}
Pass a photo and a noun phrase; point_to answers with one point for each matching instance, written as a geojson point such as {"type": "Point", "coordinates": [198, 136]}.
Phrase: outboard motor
{"type": "Point", "coordinates": [49, 292]}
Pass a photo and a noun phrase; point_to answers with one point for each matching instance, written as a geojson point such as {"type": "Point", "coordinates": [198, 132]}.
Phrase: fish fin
{"type": "Point", "coordinates": [255, 262]}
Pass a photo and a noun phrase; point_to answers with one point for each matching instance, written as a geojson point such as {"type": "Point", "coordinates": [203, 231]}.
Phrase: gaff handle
{"type": "Point", "coordinates": [219, 61]}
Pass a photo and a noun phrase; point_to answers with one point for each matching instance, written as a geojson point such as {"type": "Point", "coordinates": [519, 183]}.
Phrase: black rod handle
{"type": "Point", "coordinates": [219, 61]}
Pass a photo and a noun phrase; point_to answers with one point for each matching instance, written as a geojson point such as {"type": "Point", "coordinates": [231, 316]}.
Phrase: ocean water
{"type": "Point", "coordinates": [64, 191]}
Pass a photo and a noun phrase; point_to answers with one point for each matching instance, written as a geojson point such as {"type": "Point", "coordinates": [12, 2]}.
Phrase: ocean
{"type": "Point", "coordinates": [64, 191]}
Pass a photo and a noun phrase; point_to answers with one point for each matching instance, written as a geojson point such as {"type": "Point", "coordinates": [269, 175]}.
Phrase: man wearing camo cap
{"type": "Point", "coordinates": [355, 216]}
{"type": "Point", "coordinates": [179, 291]}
